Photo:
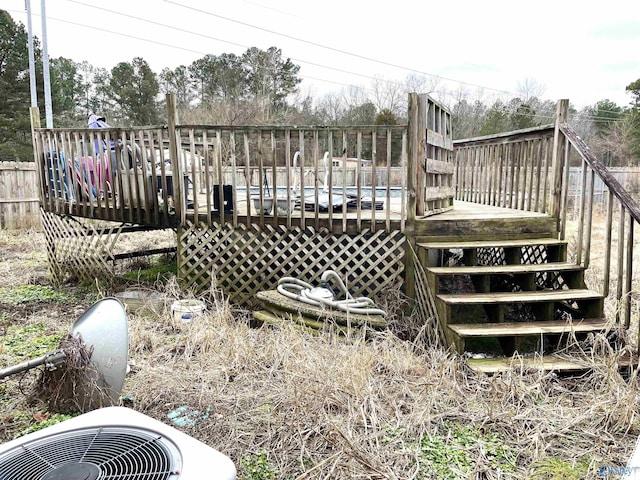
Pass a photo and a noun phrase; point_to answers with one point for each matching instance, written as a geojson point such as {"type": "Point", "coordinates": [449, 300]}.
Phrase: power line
{"type": "Point", "coordinates": [594, 118]}
{"type": "Point", "coordinates": [337, 50]}
{"type": "Point", "coordinates": [112, 32]}
{"type": "Point", "coordinates": [93, 27]}
{"type": "Point", "coordinates": [173, 27]}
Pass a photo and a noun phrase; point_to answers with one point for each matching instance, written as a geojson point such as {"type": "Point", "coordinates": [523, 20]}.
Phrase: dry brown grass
{"type": "Point", "coordinates": [293, 405]}
{"type": "Point", "coordinates": [594, 276]}
{"type": "Point", "coordinates": [359, 409]}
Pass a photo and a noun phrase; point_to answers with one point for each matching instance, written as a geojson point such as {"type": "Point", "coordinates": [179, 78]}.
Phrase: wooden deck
{"type": "Point", "coordinates": [476, 222]}
{"type": "Point", "coordinates": [465, 218]}
{"type": "Point", "coordinates": [463, 211]}
{"type": "Point", "coordinates": [506, 214]}
{"type": "Point", "coordinates": [342, 219]}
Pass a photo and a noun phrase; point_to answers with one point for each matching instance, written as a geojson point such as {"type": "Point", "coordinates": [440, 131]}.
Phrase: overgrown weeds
{"type": "Point", "coordinates": [285, 404]}
{"type": "Point", "coordinates": [319, 407]}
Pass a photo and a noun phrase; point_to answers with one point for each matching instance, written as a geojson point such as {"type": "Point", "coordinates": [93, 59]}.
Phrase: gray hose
{"type": "Point", "coordinates": [301, 291]}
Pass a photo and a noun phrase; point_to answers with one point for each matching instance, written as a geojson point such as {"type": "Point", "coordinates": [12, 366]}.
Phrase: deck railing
{"type": "Point", "coordinates": [342, 179]}
{"type": "Point", "coordinates": [104, 174]}
{"type": "Point", "coordinates": [506, 170]}
{"type": "Point", "coordinates": [616, 251]}
{"type": "Point", "coordinates": [529, 170]}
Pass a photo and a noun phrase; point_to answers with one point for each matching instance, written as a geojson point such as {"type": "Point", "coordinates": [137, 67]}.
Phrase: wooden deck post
{"type": "Point", "coordinates": [421, 154]}
{"type": "Point", "coordinates": [179, 197]}
{"type": "Point", "coordinates": [412, 177]}
{"type": "Point", "coordinates": [557, 160]}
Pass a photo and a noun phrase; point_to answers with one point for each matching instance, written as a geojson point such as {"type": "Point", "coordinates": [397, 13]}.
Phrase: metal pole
{"type": "Point", "coordinates": [49, 360]}
{"type": "Point", "coordinates": [32, 61]}
{"type": "Point", "coordinates": [45, 66]}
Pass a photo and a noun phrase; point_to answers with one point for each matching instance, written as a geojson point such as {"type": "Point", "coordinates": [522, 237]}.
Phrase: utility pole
{"type": "Point", "coordinates": [32, 61]}
{"type": "Point", "coordinates": [45, 67]}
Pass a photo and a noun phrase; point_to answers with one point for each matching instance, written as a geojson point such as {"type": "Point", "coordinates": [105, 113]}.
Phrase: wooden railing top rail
{"type": "Point", "coordinates": [236, 128]}
{"type": "Point", "coordinates": [506, 137]}
{"type": "Point", "coordinates": [94, 131]}
{"type": "Point", "coordinates": [283, 128]}
{"type": "Point", "coordinates": [602, 171]}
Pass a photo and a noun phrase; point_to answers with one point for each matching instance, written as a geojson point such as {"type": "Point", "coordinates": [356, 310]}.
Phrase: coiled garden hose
{"type": "Point", "coordinates": [301, 291]}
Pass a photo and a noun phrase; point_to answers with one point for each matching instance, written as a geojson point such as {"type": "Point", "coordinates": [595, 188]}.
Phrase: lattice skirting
{"type": "Point", "coordinates": [532, 254]}
{"type": "Point", "coordinates": [245, 260]}
{"type": "Point", "coordinates": [78, 248]}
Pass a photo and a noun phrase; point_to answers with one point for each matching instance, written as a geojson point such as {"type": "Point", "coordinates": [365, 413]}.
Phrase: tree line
{"type": "Point", "coordinates": [262, 87]}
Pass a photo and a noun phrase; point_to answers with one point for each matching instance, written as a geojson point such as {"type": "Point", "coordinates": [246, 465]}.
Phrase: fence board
{"type": "Point", "coordinates": [19, 200]}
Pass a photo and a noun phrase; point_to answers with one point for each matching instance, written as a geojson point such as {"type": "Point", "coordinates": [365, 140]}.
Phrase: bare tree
{"type": "Point", "coordinates": [388, 95]}
{"type": "Point", "coordinates": [330, 108]}
{"type": "Point", "coordinates": [354, 96]}
{"type": "Point", "coordinates": [615, 148]}
{"type": "Point", "coordinates": [422, 84]}
{"type": "Point", "coordinates": [530, 88]}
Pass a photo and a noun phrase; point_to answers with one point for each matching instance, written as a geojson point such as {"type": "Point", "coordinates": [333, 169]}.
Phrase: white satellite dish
{"type": "Point", "coordinates": [103, 329]}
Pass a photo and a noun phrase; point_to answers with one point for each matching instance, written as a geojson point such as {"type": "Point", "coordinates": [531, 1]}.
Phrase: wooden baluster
{"type": "Point", "coordinates": [607, 244]}
{"type": "Point", "coordinates": [247, 159]}
{"type": "Point", "coordinates": [234, 180]}
{"type": "Point", "coordinates": [628, 272]}
{"type": "Point", "coordinates": [582, 199]}
{"type": "Point", "coordinates": [388, 201]}
{"type": "Point", "coordinates": [588, 229]}
{"type": "Point", "coordinates": [619, 285]}
{"type": "Point", "coordinates": [359, 181]}
{"type": "Point", "coordinates": [302, 179]}
{"type": "Point", "coordinates": [565, 191]}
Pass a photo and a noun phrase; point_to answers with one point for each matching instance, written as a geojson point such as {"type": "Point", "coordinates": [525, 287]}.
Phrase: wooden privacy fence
{"type": "Point", "coordinates": [19, 201]}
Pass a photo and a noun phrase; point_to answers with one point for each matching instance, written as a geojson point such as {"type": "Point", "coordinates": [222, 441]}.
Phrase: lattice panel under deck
{"type": "Point", "coordinates": [532, 254]}
{"type": "Point", "coordinates": [245, 260]}
{"type": "Point", "coordinates": [491, 256]}
{"type": "Point", "coordinates": [77, 248]}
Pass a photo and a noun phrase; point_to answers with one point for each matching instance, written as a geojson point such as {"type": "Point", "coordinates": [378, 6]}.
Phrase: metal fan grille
{"type": "Point", "coordinates": [123, 453]}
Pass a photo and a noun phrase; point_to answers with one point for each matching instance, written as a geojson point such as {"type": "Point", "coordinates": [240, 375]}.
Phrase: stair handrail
{"type": "Point", "coordinates": [628, 216]}
{"type": "Point", "coordinates": [602, 171]}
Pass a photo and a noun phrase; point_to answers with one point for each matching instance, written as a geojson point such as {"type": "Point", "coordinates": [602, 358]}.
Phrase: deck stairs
{"type": "Point", "coordinates": [520, 294]}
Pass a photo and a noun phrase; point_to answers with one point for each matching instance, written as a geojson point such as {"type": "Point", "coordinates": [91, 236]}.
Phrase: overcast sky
{"type": "Point", "coordinates": [584, 51]}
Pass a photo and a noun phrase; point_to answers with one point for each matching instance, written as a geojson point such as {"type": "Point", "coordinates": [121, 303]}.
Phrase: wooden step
{"type": "Point", "coordinates": [497, 298]}
{"type": "Point", "coordinates": [552, 362]}
{"type": "Point", "coordinates": [546, 363]}
{"type": "Point", "coordinates": [518, 242]}
{"type": "Point", "coordinates": [506, 269]}
{"type": "Point", "coordinates": [519, 329]}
